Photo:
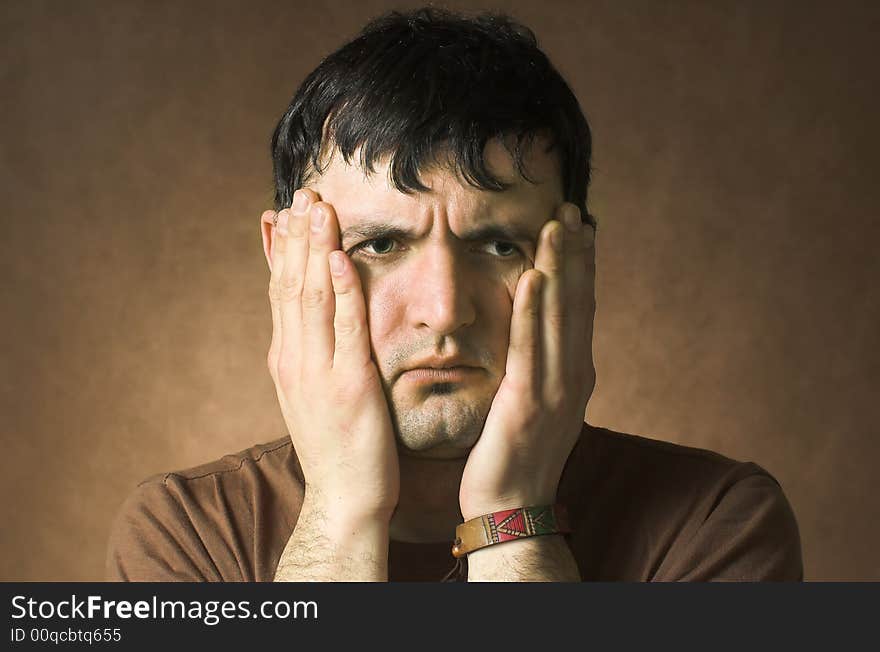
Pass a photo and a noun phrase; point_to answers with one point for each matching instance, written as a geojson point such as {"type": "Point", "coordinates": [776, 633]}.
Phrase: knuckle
{"type": "Point", "coordinates": [343, 393]}
{"type": "Point", "coordinates": [285, 289]}
{"type": "Point", "coordinates": [348, 328]}
{"type": "Point", "coordinates": [342, 290]}
{"type": "Point", "coordinates": [287, 373]}
{"type": "Point", "coordinates": [553, 267]}
{"type": "Point", "coordinates": [555, 320]}
{"type": "Point", "coordinates": [290, 287]}
{"type": "Point", "coordinates": [522, 346]}
{"type": "Point", "coordinates": [296, 228]}
{"type": "Point", "coordinates": [525, 347]}
{"type": "Point", "coordinates": [533, 412]}
{"type": "Point", "coordinates": [532, 309]}
{"type": "Point", "coordinates": [357, 381]}
{"type": "Point", "coordinates": [555, 398]}
{"type": "Point", "coordinates": [274, 292]}
{"type": "Point", "coordinates": [523, 388]}
{"type": "Point", "coordinates": [314, 297]}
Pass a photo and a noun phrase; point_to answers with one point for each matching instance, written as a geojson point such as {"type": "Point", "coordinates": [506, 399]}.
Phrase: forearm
{"type": "Point", "coordinates": [329, 546]}
{"type": "Point", "coordinates": [545, 558]}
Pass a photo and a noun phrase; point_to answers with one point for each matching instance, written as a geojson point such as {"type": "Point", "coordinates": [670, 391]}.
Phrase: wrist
{"type": "Point", "coordinates": [332, 543]}
{"type": "Point", "coordinates": [536, 559]}
{"type": "Point", "coordinates": [338, 507]}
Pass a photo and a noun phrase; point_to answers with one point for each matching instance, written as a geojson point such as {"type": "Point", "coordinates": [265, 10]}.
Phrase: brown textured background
{"type": "Point", "coordinates": [738, 308]}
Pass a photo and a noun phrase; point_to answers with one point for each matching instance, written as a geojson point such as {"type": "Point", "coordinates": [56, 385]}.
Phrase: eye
{"type": "Point", "coordinates": [380, 246]}
{"type": "Point", "coordinates": [504, 249]}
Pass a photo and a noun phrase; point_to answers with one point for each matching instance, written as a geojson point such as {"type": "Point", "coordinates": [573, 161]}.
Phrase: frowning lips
{"type": "Point", "coordinates": [439, 370]}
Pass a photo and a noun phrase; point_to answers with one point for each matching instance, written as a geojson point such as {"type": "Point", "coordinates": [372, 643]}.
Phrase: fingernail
{"type": "Point", "coordinates": [336, 263]}
{"type": "Point", "coordinates": [300, 201]}
{"type": "Point", "coordinates": [572, 218]}
{"type": "Point", "coordinates": [282, 222]}
{"type": "Point", "coordinates": [317, 219]}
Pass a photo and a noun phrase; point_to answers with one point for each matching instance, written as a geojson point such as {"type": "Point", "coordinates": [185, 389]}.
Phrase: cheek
{"type": "Point", "coordinates": [504, 289]}
{"type": "Point", "coordinates": [390, 343]}
{"type": "Point", "coordinates": [510, 278]}
{"type": "Point", "coordinates": [496, 301]}
{"type": "Point", "coordinates": [384, 307]}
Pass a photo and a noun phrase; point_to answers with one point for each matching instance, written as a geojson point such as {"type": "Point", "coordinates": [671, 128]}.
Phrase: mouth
{"type": "Point", "coordinates": [424, 375]}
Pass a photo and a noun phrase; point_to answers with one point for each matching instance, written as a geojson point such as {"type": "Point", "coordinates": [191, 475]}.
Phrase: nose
{"type": "Point", "coordinates": [440, 297]}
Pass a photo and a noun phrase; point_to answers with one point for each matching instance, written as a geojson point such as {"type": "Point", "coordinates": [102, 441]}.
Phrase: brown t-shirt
{"type": "Point", "coordinates": [640, 509]}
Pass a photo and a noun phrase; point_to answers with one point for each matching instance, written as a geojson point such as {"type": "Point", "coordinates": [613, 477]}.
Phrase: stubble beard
{"type": "Point", "coordinates": [442, 425]}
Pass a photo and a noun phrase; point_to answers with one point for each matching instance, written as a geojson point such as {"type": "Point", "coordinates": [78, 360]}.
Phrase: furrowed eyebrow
{"type": "Point", "coordinates": [511, 232]}
{"type": "Point", "coordinates": [370, 230]}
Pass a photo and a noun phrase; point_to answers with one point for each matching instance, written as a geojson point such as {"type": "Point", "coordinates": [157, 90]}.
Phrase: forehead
{"type": "Point", "coordinates": [357, 195]}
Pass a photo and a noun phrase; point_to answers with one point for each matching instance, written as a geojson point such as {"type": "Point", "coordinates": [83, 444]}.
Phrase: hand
{"type": "Point", "coordinates": [538, 411]}
{"type": "Point", "coordinates": [328, 387]}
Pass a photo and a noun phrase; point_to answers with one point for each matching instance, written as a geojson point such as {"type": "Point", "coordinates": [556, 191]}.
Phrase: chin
{"type": "Point", "coordinates": [441, 426]}
{"type": "Point", "coordinates": [439, 452]}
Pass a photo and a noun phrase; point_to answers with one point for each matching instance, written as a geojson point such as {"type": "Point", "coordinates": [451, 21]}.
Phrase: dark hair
{"type": "Point", "coordinates": [416, 82]}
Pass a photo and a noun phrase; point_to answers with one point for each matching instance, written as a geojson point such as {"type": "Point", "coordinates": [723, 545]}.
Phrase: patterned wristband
{"type": "Point", "coordinates": [508, 525]}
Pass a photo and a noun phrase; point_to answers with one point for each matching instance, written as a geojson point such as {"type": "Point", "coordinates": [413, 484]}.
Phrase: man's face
{"type": "Point", "coordinates": [440, 291]}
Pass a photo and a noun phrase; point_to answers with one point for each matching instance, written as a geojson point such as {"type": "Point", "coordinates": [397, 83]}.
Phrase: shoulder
{"type": "Point", "coordinates": [708, 516]}
{"type": "Point", "coordinates": [660, 472]}
{"type": "Point", "coordinates": [182, 525]}
{"type": "Point", "coordinates": [682, 470]}
{"type": "Point", "coordinates": [637, 448]}
{"type": "Point", "coordinates": [228, 484]}
{"type": "Point", "coordinates": [278, 452]}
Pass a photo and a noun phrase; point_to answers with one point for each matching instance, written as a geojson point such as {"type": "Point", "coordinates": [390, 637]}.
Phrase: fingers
{"type": "Point", "coordinates": [267, 232]}
{"type": "Point", "coordinates": [318, 301]}
{"type": "Point", "coordinates": [294, 237]}
{"type": "Point", "coordinates": [587, 291]}
{"type": "Point", "coordinates": [524, 359]}
{"type": "Point", "coordinates": [549, 261]}
{"type": "Point", "coordinates": [563, 259]}
{"type": "Point", "coordinates": [577, 238]}
{"type": "Point", "coordinates": [580, 272]}
{"type": "Point", "coordinates": [312, 313]}
{"type": "Point", "coordinates": [276, 263]}
{"type": "Point", "coordinates": [352, 343]}
{"type": "Point", "coordinates": [289, 252]}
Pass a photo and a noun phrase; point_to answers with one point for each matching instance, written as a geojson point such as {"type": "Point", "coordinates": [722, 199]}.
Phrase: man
{"type": "Point", "coordinates": [431, 282]}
